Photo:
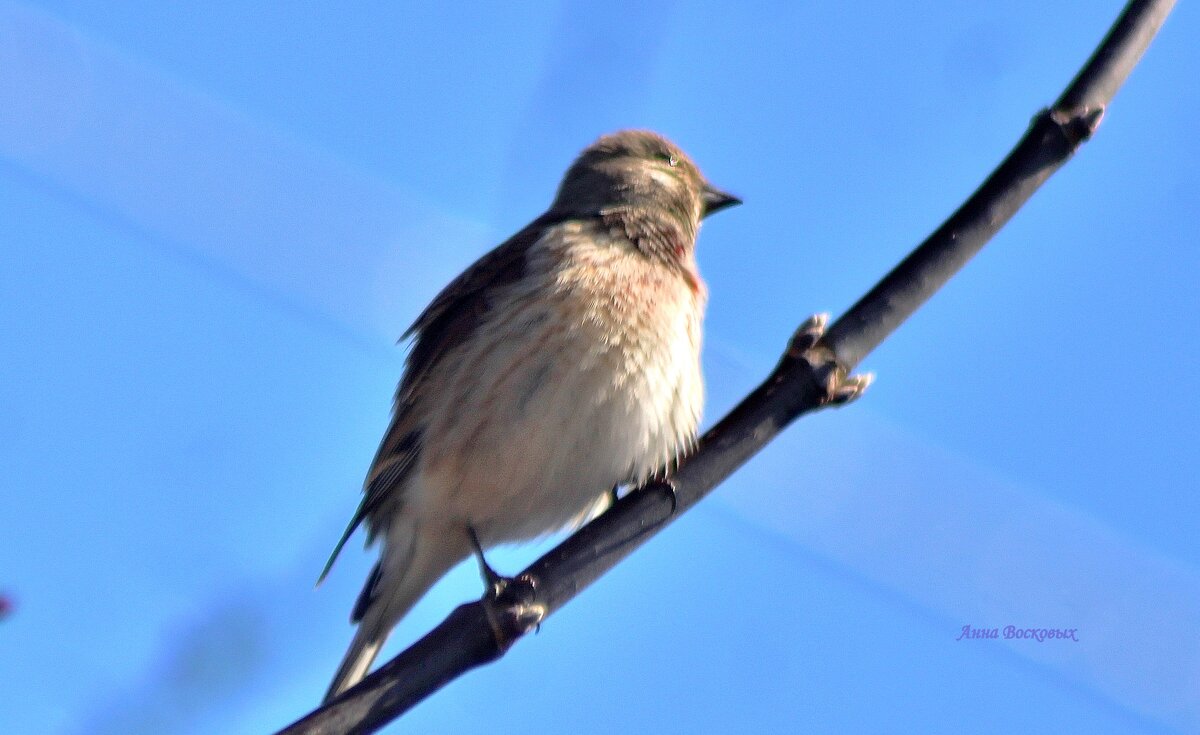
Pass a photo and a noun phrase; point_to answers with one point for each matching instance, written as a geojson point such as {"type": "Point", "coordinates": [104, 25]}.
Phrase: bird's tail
{"type": "Point", "coordinates": [411, 563]}
{"type": "Point", "coordinates": [363, 650]}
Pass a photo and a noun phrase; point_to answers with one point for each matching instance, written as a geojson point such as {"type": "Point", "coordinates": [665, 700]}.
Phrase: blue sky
{"type": "Point", "coordinates": [215, 221]}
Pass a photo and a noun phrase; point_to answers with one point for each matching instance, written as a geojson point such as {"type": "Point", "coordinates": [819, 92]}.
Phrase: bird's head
{"type": "Point", "coordinates": [641, 171]}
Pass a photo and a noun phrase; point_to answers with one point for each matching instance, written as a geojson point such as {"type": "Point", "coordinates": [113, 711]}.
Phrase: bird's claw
{"type": "Point", "coordinates": [513, 599]}
{"type": "Point", "coordinates": [668, 484]}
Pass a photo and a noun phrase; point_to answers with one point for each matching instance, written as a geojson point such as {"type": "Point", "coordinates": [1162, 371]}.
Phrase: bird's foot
{"type": "Point", "coordinates": [511, 598]}
{"type": "Point", "coordinates": [667, 484]}
{"type": "Point", "coordinates": [492, 580]}
{"type": "Point", "coordinates": [516, 597]}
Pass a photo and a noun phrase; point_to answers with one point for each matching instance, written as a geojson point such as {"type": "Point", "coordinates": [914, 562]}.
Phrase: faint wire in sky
{"type": "Point", "coordinates": [601, 55]}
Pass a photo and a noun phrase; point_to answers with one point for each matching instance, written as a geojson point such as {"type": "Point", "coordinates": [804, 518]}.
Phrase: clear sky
{"type": "Point", "coordinates": [215, 220]}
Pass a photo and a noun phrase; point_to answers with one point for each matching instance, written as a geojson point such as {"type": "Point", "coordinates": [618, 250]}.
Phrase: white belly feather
{"type": "Point", "coordinates": [564, 396]}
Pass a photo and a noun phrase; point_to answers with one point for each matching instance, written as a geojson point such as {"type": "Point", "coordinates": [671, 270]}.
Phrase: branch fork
{"type": "Point", "coordinates": [814, 372]}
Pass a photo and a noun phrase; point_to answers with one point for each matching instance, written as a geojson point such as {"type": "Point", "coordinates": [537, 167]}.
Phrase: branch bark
{"type": "Point", "coordinates": [806, 378]}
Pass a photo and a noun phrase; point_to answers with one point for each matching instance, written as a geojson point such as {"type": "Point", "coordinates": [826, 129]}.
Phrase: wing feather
{"type": "Point", "coordinates": [449, 320]}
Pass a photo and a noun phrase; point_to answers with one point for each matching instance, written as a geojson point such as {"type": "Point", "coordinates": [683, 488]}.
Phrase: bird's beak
{"type": "Point", "coordinates": [715, 200]}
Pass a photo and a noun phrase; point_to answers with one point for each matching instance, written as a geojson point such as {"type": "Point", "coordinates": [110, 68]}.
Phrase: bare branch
{"type": "Point", "coordinates": [811, 374]}
{"type": "Point", "coordinates": [1053, 136]}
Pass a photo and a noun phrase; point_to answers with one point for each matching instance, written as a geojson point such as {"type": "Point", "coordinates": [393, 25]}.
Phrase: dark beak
{"type": "Point", "coordinates": [715, 200]}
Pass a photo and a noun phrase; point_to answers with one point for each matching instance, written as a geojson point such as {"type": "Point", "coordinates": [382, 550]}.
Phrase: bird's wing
{"type": "Point", "coordinates": [449, 320]}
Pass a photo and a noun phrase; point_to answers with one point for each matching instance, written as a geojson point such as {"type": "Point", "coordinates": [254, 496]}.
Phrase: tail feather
{"type": "Point", "coordinates": [363, 650]}
{"type": "Point", "coordinates": [411, 563]}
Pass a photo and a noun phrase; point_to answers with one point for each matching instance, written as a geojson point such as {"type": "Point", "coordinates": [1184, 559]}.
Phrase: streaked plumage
{"type": "Point", "coordinates": [560, 364]}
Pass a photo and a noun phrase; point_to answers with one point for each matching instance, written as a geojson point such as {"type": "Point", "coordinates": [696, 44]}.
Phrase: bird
{"type": "Point", "coordinates": [559, 366]}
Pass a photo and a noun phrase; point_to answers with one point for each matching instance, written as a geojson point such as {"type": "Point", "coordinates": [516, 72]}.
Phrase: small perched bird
{"type": "Point", "coordinates": [558, 366]}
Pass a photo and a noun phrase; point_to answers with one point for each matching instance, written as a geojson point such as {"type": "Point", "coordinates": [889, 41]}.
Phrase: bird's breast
{"type": "Point", "coordinates": [584, 375]}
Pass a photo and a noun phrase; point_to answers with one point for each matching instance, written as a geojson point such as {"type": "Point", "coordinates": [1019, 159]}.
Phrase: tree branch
{"type": "Point", "coordinates": [806, 378]}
